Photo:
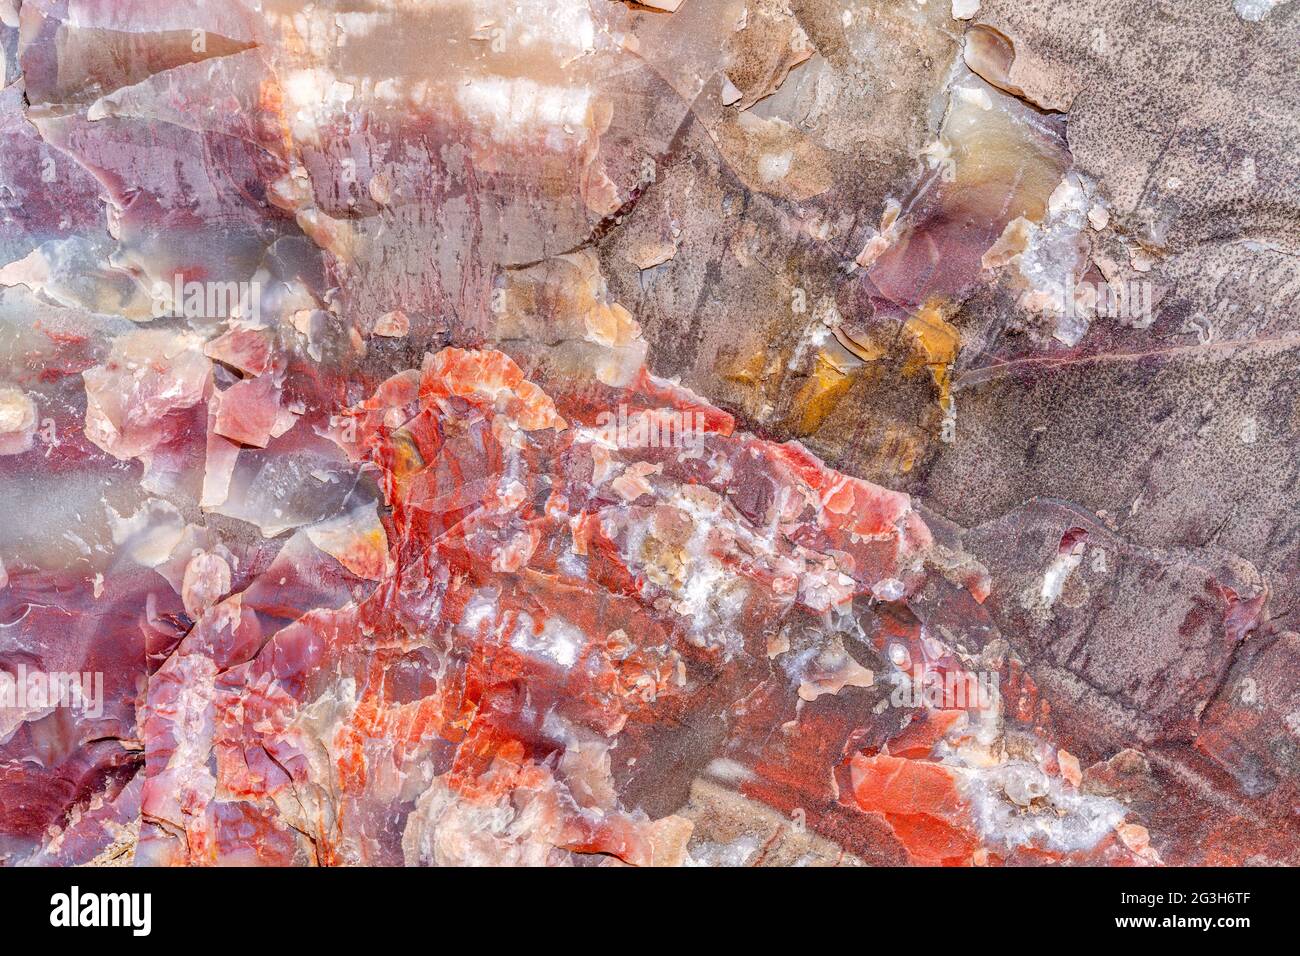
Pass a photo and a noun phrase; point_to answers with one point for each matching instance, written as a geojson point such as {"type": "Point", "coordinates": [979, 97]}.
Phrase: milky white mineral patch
{"type": "Point", "coordinates": [976, 97]}
{"type": "Point", "coordinates": [830, 671]}
{"type": "Point", "coordinates": [888, 589]}
{"type": "Point", "coordinates": [1056, 574]}
{"type": "Point", "coordinates": [774, 166]}
{"type": "Point", "coordinates": [207, 578]}
{"type": "Point", "coordinates": [151, 534]}
{"type": "Point", "coordinates": [1253, 11]}
{"type": "Point", "coordinates": [557, 640]}
{"type": "Point", "coordinates": [965, 9]}
{"type": "Point", "coordinates": [17, 421]}
{"type": "Point", "coordinates": [1017, 804]}
{"type": "Point", "coordinates": [1052, 259]}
